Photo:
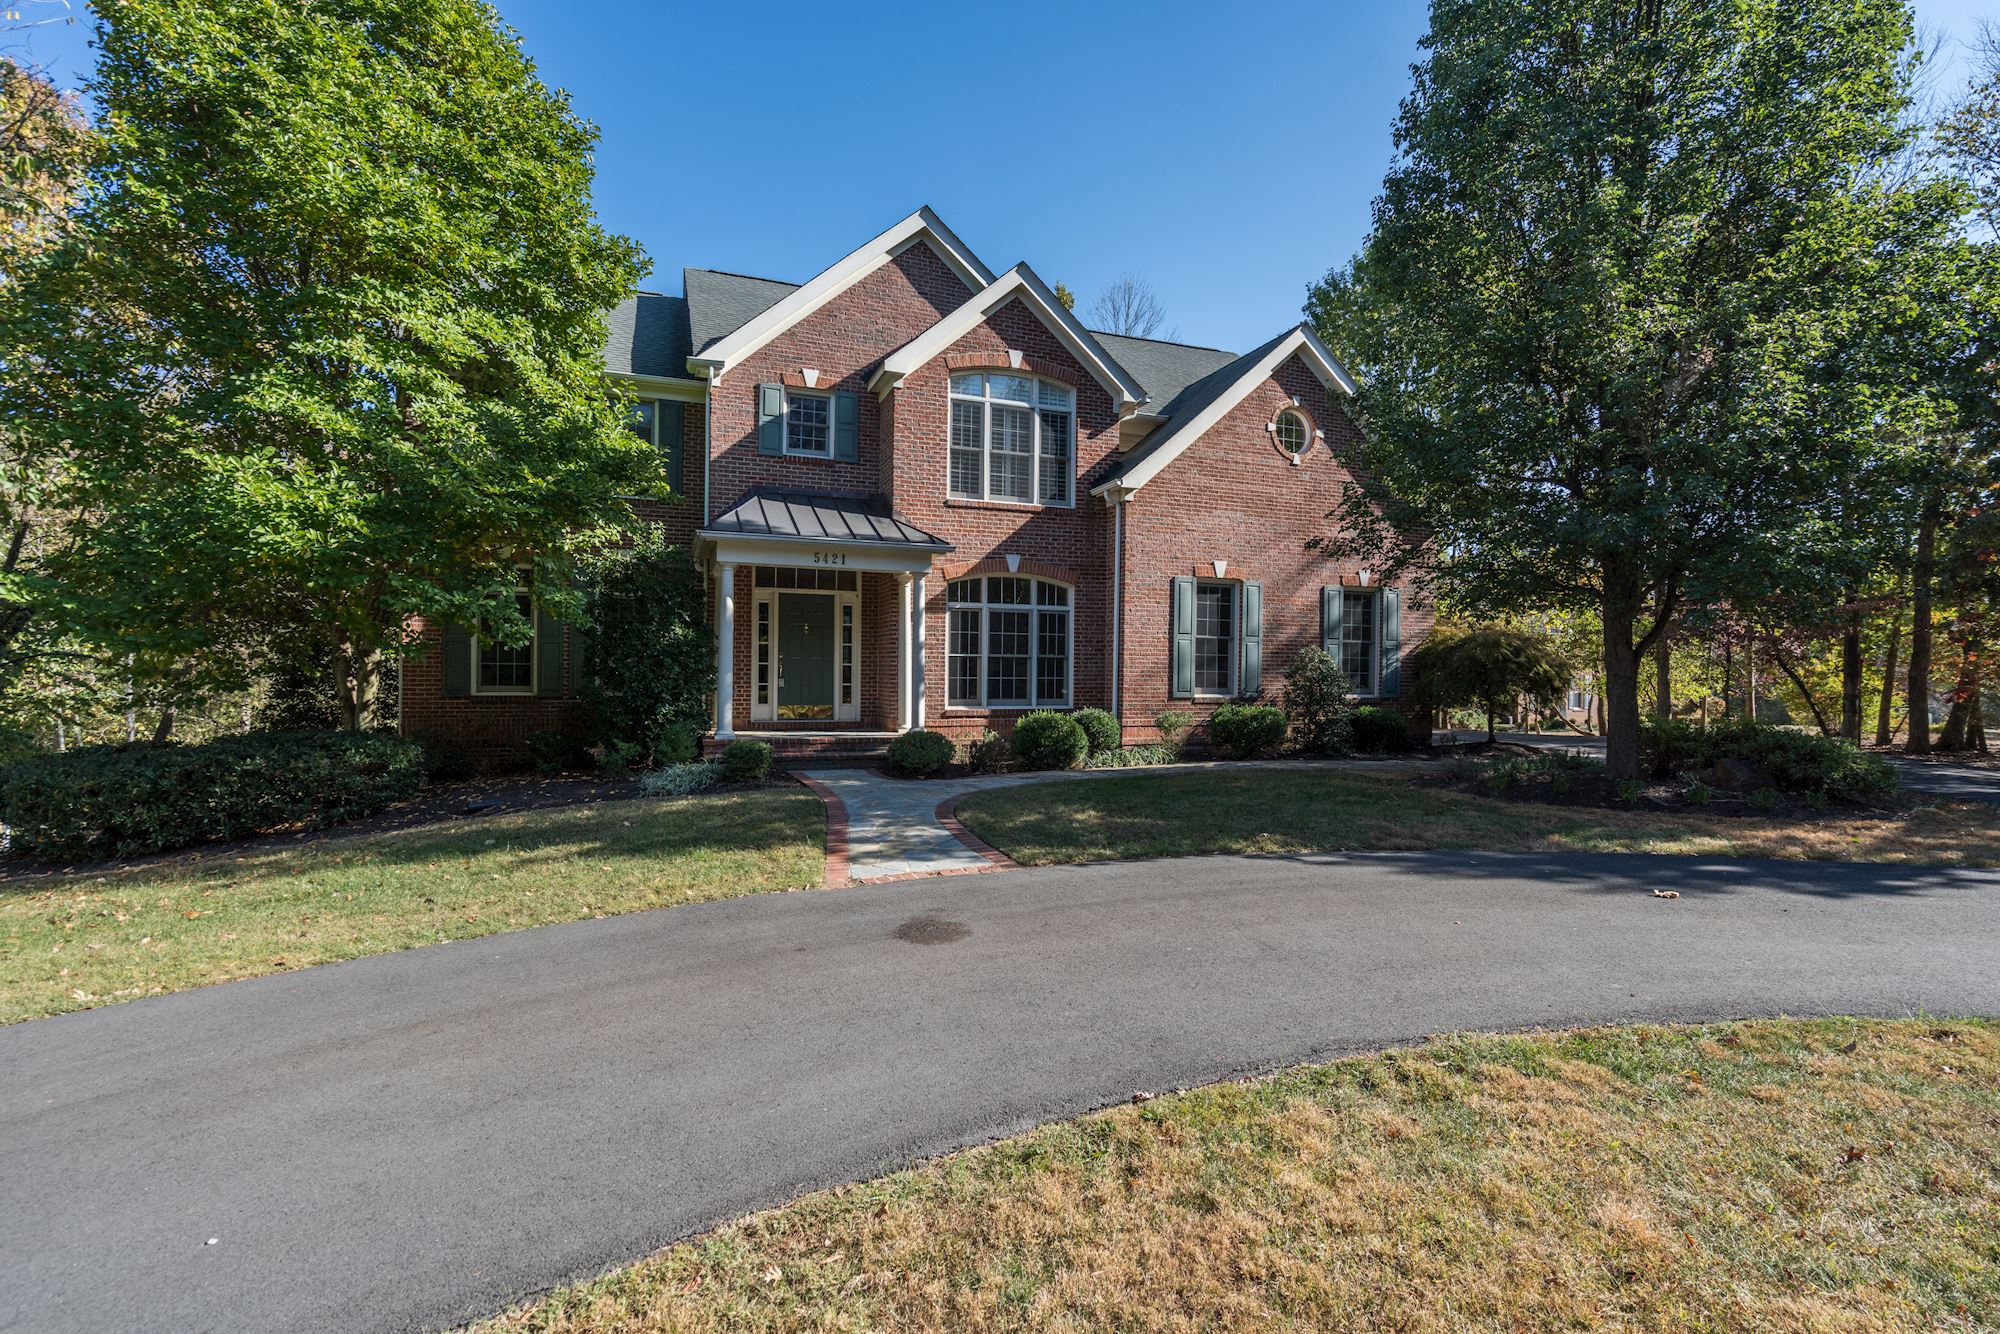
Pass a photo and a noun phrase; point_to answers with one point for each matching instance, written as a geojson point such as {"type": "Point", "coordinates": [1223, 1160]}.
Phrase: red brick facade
{"type": "Point", "coordinates": [1231, 498]}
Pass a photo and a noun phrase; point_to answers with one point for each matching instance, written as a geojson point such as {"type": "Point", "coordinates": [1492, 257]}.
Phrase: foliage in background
{"type": "Point", "coordinates": [114, 801]}
{"type": "Point", "coordinates": [1641, 309]}
{"type": "Point", "coordinates": [647, 648]}
{"type": "Point", "coordinates": [1488, 667]}
{"type": "Point", "coordinates": [324, 345]}
{"type": "Point", "coordinates": [1318, 700]}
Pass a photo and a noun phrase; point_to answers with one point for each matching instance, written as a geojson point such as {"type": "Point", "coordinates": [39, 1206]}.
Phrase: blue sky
{"type": "Point", "coordinates": [1228, 154]}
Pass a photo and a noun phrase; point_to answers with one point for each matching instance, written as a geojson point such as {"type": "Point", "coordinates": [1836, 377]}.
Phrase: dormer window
{"type": "Point", "coordinates": [1013, 438]}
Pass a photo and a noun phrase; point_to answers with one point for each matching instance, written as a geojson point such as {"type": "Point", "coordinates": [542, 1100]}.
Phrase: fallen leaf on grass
{"type": "Point", "coordinates": [1666, 893]}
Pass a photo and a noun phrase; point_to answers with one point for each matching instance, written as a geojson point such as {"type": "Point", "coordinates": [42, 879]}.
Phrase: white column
{"type": "Point", "coordinates": [917, 656]}
{"type": "Point", "coordinates": [903, 652]}
{"type": "Point", "coordinates": [725, 653]}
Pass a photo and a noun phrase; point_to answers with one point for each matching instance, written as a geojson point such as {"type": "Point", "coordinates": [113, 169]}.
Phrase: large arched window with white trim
{"type": "Point", "coordinates": [1009, 644]}
{"type": "Point", "coordinates": [1013, 437]}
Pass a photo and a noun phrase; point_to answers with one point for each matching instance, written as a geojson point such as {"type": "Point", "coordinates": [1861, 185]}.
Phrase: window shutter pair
{"type": "Point", "coordinates": [771, 423]}
{"type": "Point", "coordinates": [1331, 608]}
{"type": "Point", "coordinates": [1251, 679]}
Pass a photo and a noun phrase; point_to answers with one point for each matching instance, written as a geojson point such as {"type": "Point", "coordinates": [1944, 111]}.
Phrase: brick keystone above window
{"type": "Point", "coordinates": [1039, 569]}
{"type": "Point", "coordinates": [1001, 361]}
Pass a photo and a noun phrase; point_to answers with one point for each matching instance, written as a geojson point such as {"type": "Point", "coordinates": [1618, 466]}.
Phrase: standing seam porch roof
{"type": "Point", "coordinates": [770, 512]}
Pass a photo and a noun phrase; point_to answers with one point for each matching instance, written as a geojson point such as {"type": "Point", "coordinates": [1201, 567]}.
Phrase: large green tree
{"type": "Point", "coordinates": [1612, 315]}
{"type": "Point", "coordinates": [325, 347]}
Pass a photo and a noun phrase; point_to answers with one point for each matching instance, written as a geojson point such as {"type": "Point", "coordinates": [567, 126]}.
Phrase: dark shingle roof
{"type": "Point", "coordinates": [1186, 405]}
{"type": "Point", "coordinates": [648, 336]}
{"type": "Point", "coordinates": [721, 303]}
{"type": "Point", "coordinates": [1163, 369]}
{"type": "Point", "coordinates": [769, 512]}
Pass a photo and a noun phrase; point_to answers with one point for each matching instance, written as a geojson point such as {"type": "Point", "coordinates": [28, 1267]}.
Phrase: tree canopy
{"type": "Point", "coordinates": [1641, 303]}
{"type": "Point", "coordinates": [325, 345]}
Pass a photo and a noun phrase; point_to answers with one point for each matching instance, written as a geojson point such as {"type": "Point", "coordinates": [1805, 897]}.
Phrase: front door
{"type": "Point", "coordinates": [805, 655]}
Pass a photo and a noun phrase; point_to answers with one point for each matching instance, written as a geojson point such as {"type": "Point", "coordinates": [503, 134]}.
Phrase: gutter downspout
{"type": "Point", "coordinates": [1117, 500]}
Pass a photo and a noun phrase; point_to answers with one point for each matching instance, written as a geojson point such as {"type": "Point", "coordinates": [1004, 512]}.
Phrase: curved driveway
{"type": "Point", "coordinates": [413, 1140]}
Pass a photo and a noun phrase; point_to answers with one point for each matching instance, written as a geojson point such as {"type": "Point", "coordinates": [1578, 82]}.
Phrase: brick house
{"type": "Point", "coordinates": [927, 496]}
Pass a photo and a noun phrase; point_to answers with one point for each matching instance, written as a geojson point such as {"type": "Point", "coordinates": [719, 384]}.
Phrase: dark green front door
{"type": "Point", "coordinates": [805, 655]}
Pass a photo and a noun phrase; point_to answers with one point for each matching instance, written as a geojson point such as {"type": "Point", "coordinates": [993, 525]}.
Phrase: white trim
{"type": "Point", "coordinates": [1034, 407]}
{"type": "Point", "coordinates": [725, 651]}
{"type": "Point", "coordinates": [1300, 342]}
{"type": "Point", "coordinates": [1234, 587]}
{"type": "Point", "coordinates": [923, 225]}
{"type": "Point", "coordinates": [1018, 283]}
{"type": "Point", "coordinates": [1034, 608]}
{"type": "Point", "coordinates": [884, 559]}
{"type": "Point", "coordinates": [660, 386]}
{"type": "Point", "coordinates": [825, 396]}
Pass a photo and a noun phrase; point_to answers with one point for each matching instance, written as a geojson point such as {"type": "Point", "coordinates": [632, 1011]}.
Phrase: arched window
{"type": "Point", "coordinates": [1009, 643]}
{"type": "Point", "coordinates": [1013, 437]}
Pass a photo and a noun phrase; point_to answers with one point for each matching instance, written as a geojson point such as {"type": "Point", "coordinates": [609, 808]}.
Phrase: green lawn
{"type": "Point", "coordinates": [1280, 811]}
{"type": "Point", "coordinates": [74, 941]}
{"type": "Point", "coordinates": [1822, 1176]}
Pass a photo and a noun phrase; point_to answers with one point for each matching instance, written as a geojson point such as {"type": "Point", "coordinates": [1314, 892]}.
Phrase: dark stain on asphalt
{"type": "Point", "coordinates": [931, 931]}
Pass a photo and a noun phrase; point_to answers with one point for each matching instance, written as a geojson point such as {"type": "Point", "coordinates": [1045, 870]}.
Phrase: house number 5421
{"type": "Point", "coordinates": [829, 558]}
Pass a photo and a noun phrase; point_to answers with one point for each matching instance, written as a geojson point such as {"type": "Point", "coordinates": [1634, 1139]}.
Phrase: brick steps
{"type": "Point", "coordinates": [792, 749]}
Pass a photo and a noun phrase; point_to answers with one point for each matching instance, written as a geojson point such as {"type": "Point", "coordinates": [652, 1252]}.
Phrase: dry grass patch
{"type": "Point", "coordinates": [70, 942]}
{"type": "Point", "coordinates": [1832, 1175]}
{"type": "Point", "coordinates": [1284, 811]}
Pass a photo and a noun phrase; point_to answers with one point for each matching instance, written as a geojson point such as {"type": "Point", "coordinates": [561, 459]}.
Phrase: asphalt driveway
{"type": "Point", "coordinates": [415, 1139]}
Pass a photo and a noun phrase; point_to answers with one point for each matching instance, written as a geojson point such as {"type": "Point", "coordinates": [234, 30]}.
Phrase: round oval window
{"type": "Point", "coordinates": [1293, 437]}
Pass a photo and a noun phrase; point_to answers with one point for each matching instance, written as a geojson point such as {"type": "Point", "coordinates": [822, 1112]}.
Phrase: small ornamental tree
{"type": "Point", "coordinates": [324, 343]}
{"type": "Point", "coordinates": [646, 652]}
{"type": "Point", "coordinates": [1488, 667]}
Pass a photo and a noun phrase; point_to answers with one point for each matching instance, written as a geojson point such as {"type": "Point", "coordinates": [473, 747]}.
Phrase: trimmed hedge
{"type": "Point", "coordinates": [1046, 739]}
{"type": "Point", "coordinates": [1379, 729]}
{"type": "Point", "coordinates": [1100, 730]}
{"type": "Point", "coordinates": [117, 801]}
{"type": "Point", "coordinates": [1788, 760]}
{"type": "Point", "coordinates": [745, 761]}
{"type": "Point", "coordinates": [920, 752]}
{"type": "Point", "coordinates": [1244, 731]}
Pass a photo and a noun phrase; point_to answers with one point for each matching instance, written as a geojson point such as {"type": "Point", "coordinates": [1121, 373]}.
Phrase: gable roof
{"type": "Point", "coordinates": [647, 334]}
{"type": "Point", "coordinates": [1206, 401]}
{"type": "Point", "coordinates": [1163, 368]}
{"type": "Point", "coordinates": [721, 303]}
{"type": "Point", "coordinates": [1017, 284]}
{"type": "Point", "coordinates": [793, 306]}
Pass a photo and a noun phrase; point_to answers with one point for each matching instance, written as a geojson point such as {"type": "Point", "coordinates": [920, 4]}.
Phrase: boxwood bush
{"type": "Point", "coordinates": [920, 752]}
{"type": "Point", "coordinates": [1378, 729]}
{"type": "Point", "coordinates": [1243, 731]}
{"type": "Point", "coordinates": [1046, 739]}
{"type": "Point", "coordinates": [1789, 760]}
{"type": "Point", "coordinates": [117, 801]}
{"type": "Point", "coordinates": [745, 761]}
{"type": "Point", "coordinates": [1100, 730]}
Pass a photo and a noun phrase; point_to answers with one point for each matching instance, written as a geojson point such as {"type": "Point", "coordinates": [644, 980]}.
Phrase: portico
{"type": "Point", "coordinates": [819, 615]}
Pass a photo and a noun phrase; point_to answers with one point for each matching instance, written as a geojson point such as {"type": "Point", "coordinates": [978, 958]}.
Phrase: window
{"type": "Point", "coordinates": [1008, 643]}
{"type": "Point", "coordinates": [507, 671]}
{"type": "Point", "coordinates": [645, 421]}
{"type": "Point", "coordinates": [1013, 437]}
{"type": "Point", "coordinates": [808, 424]}
{"type": "Point", "coordinates": [658, 423]}
{"type": "Point", "coordinates": [1357, 639]}
{"type": "Point", "coordinates": [1215, 639]}
{"type": "Point", "coordinates": [1579, 699]}
{"type": "Point", "coordinates": [1293, 435]}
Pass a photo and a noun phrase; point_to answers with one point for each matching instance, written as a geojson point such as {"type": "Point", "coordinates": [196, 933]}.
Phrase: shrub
{"type": "Point", "coordinates": [115, 801]}
{"type": "Point", "coordinates": [1316, 700]}
{"type": "Point", "coordinates": [675, 743]}
{"type": "Point", "coordinates": [1788, 760]}
{"type": "Point", "coordinates": [1046, 739]}
{"type": "Point", "coordinates": [1100, 729]}
{"type": "Point", "coordinates": [1127, 757]}
{"type": "Point", "coordinates": [445, 761]}
{"type": "Point", "coordinates": [1379, 729]}
{"type": "Point", "coordinates": [920, 752]}
{"type": "Point", "coordinates": [1174, 725]}
{"type": "Point", "coordinates": [745, 761]}
{"type": "Point", "coordinates": [645, 647]}
{"type": "Point", "coordinates": [990, 754]}
{"type": "Point", "coordinates": [1243, 731]}
{"type": "Point", "coordinates": [1488, 667]}
{"type": "Point", "coordinates": [558, 752]}
{"type": "Point", "coordinates": [619, 758]}
{"type": "Point", "coordinates": [681, 780]}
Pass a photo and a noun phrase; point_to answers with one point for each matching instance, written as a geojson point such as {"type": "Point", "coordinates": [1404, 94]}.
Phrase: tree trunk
{"type": "Point", "coordinates": [1850, 672]}
{"type": "Point", "coordinates": [1749, 678]}
{"type": "Point", "coordinates": [357, 673]}
{"type": "Point", "coordinates": [1663, 681]}
{"type": "Point", "coordinates": [1491, 735]}
{"type": "Point", "coordinates": [1919, 742]}
{"type": "Point", "coordinates": [1964, 701]}
{"type": "Point", "coordinates": [1885, 728]}
{"type": "Point", "coordinates": [1819, 718]}
{"type": "Point", "coordinates": [1621, 679]}
{"type": "Point", "coordinates": [165, 730]}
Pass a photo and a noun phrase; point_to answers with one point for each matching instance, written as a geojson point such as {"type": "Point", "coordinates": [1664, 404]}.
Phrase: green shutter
{"type": "Point", "coordinates": [548, 655]}
{"type": "Point", "coordinates": [455, 672]}
{"type": "Point", "coordinates": [846, 426]}
{"type": "Point", "coordinates": [1183, 682]}
{"type": "Point", "coordinates": [1392, 643]}
{"type": "Point", "coordinates": [770, 419]}
{"type": "Point", "coordinates": [1329, 621]}
{"type": "Point", "coordinates": [673, 440]}
{"type": "Point", "coordinates": [579, 659]}
{"type": "Point", "coordinates": [1253, 639]}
